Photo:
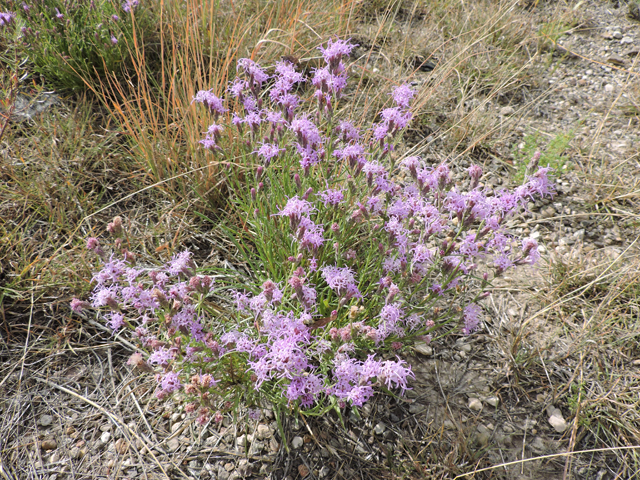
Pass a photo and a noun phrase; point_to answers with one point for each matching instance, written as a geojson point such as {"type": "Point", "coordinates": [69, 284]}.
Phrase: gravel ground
{"type": "Point", "coordinates": [90, 416]}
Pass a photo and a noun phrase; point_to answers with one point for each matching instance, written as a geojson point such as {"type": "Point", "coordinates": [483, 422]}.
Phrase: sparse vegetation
{"type": "Point", "coordinates": [490, 77]}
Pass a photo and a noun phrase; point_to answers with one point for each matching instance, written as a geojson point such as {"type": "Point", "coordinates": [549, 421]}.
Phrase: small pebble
{"type": "Point", "coordinates": [173, 445]}
{"type": "Point", "coordinates": [475, 404]}
{"type": "Point", "coordinates": [241, 441]}
{"type": "Point", "coordinates": [303, 471]}
{"type": "Point", "coordinates": [263, 432]}
{"type": "Point", "coordinates": [506, 111]}
{"type": "Point", "coordinates": [105, 437]}
{"type": "Point", "coordinates": [49, 444]}
{"type": "Point", "coordinates": [297, 442]}
{"type": "Point", "coordinates": [558, 423]}
{"type": "Point", "coordinates": [45, 420]}
{"type": "Point", "coordinates": [122, 446]}
{"type": "Point", "coordinates": [379, 428]}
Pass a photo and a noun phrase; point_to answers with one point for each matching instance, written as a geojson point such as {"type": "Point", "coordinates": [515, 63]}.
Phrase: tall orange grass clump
{"type": "Point", "coordinates": [200, 42]}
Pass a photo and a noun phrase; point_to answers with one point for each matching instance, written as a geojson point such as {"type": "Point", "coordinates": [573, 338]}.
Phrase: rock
{"type": "Point", "coordinates": [324, 472]}
{"type": "Point", "coordinates": [175, 427]}
{"type": "Point", "coordinates": [173, 445]}
{"type": "Point", "coordinates": [617, 35]}
{"type": "Point", "coordinates": [241, 441]}
{"type": "Point", "coordinates": [222, 473]}
{"type": "Point", "coordinates": [274, 446]}
{"type": "Point", "coordinates": [538, 445]}
{"type": "Point", "coordinates": [616, 60]}
{"type": "Point", "coordinates": [263, 432]}
{"type": "Point", "coordinates": [49, 444]}
{"type": "Point", "coordinates": [466, 348]}
{"type": "Point", "coordinates": [558, 423]}
{"type": "Point", "coordinates": [122, 446]}
{"type": "Point", "coordinates": [105, 437]}
{"type": "Point", "coordinates": [423, 349]}
{"type": "Point", "coordinates": [229, 466]}
{"type": "Point", "coordinates": [475, 404]}
{"type": "Point", "coordinates": [506, 111]}
{"type": "Point", "coordinates": [297, 442]}
{"type": "Point", "coordinates": [303, 471]}
{"type": "Point", "coordinates": [74, 453]}
{"type": "Point", "coordinates": [45, 421]}
{"type": "Point", "coordinates": [379, 428]}
{"type": "Point", "coordinates": [256, 447]}
{"type": "Point", "coordinates": [483, 436]}
{"type": "Point", "coordinates": [448, 424]}
{"type": "Point", "coordinates": [493, 401]}
{"type": "Point", "coordinates": [416, 408]}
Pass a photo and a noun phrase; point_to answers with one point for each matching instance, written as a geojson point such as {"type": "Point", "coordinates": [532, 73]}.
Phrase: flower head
{"type": "Point", "coordinates": [211, 101]}
{"type": "Point", "coordinates": [402, 95]}
{"type": "Point", "coordinates": [6, 18]}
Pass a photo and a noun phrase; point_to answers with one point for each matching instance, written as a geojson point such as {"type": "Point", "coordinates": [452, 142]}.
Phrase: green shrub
{"type": "Point", "coordinates": [75, 42]}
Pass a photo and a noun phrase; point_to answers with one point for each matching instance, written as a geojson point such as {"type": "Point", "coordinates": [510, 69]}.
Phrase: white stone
{"type": "Point", "coordinates": [493, 401]}
{"type": "Point", "coordinates": [263, 432]}
{"type": "Point", "coordinates": [506, 111]}
{"type": "Point", "coordinates": [297, 442]}
{"type": "Point", "coordinates": [241, 441]}
{"type": "Point", "coordinates": [423, 349]}
{"type": "Point", "coordinates": [608, 88]}
{"type": "Point", "coordinates": [173, 445]}
{"type": "Point", "coordinates": [475, 404]}
{"type": "Point", "coordinates": [558, 423]}
{"type": "Point", "coordinates": [379, 428]}
{"type": "Point", "coordinates": [105, 437]}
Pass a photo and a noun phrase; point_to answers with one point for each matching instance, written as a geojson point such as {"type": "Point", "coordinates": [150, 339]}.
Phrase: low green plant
{"type": "Point", "coordinates": [70, 43]}
{"type": "Point", "coordinates": [347, 266]}
{"type": "Point", "coordinates": [553, 155]}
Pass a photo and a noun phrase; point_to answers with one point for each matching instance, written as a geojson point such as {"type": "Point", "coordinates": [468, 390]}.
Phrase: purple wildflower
{"type": "Point", "coordinates": [130, 5]}
{"type": "Point", "coordinates": [307, 132]}
{"type": "Point", "coordinates": [6, 18]}
{"type": "Point", "coordinates": [170, 383]}
{"type": "Point", "coordinates": [341, 280]}
{"type": "Point", "coordinates": [395, 374]}
{"type": "Point", "coordinates": [295, 209]}
{"type": "Point", "coordinates": [402, 95]}
{"type": "Point", "coordinates": [237, 87]}
{"type": "Point", "coordinates": [331, 197]}
{"type": "Point", "coordinates": [348, 132]}
{"type": "Point", "coordinates": [257, 76]}
{"type": "Point", "coordinates": [530, 250]}
{"type": "Point", "coordinates": [334, 52]}
{"type": "Point", "coordinates": [116, 321]}
{"type": "Point", "coordinates": [161, 357]}
{"type": "Point", "coordinates": [268, 151]}
{"type": "Point", "coordinates": [471, 317]}
{"type": "Point", "coordinates": [181, 263]}
{"type": "Point", "coordinates": [78, 305]}
{"type": "Point", "coordinates": [354, 154]}
{"type": "Point", "coordinates": [211, 101]}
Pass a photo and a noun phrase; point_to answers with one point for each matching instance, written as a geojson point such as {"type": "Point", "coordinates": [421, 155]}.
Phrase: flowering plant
{"type": "Point", "coordinates": [69, 42]}
{"type": "Point", "coordinates": [354, 255]}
